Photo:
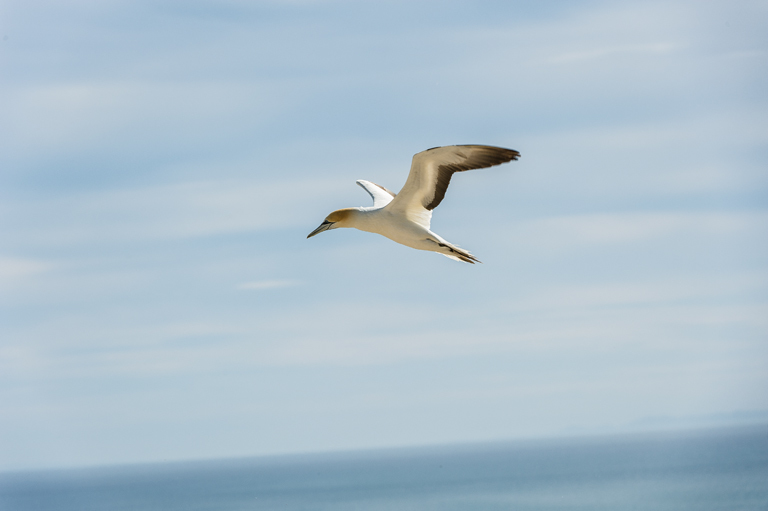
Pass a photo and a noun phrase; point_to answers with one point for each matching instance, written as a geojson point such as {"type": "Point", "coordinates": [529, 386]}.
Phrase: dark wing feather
{"type": "Point", "coordinates": [470, 157]}
{"type": "Point", "coordinates": [431, 172]}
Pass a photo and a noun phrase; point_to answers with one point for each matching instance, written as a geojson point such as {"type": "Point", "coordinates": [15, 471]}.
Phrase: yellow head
{"type": "Point", "coordinates": [339, 218]}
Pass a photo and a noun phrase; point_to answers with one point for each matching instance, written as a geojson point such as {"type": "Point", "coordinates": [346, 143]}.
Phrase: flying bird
{"type": "Point", "coordinates": [405, 217]}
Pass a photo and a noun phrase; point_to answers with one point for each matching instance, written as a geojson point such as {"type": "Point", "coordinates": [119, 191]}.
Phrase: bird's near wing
{"type": "Point", "coordinates": [380, 195]}
{"type": "Point", "coordinates": [431, 172]}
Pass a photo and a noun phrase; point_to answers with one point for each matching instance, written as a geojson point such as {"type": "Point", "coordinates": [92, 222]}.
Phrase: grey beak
{"type": "Point", "coordinates": [323, 227]}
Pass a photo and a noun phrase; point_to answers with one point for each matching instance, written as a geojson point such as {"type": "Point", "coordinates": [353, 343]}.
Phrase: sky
{"type": "Point", "coordinates": [161, 165]}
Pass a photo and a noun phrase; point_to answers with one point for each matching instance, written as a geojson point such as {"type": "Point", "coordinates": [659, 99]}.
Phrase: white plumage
{"type": "Point", "coordinates": [405, 217]}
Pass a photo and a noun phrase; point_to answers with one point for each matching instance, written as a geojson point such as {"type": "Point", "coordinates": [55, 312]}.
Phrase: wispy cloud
{"type": "Point", "coordinates": [267, 284]}
{"type": "Point", "coordinates": [669, 292]}
{"type": "Point", "coordinates": [625, 228]}
{"type": "Point", "coordinates": [12, 268]}
{"type": "Point", "coordinates": [180, 210]}
{"type": "Point", "coordinates": [622, 51]}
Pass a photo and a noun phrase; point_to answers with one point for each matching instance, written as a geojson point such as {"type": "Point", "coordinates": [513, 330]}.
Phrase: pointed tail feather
{"type": "Point", "coordinates": [458, 254]}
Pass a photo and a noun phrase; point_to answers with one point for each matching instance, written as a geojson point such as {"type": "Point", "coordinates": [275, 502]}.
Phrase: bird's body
{"type": "Point", "coordinates": [405, 217]}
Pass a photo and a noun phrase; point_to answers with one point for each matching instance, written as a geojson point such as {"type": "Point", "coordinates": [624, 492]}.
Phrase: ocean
{"type": "Point", "coordinates": [723, 469]}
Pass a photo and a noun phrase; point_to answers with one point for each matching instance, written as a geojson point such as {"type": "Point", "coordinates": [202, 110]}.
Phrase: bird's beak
{"type": "Point", "coordinates": [323, 227]}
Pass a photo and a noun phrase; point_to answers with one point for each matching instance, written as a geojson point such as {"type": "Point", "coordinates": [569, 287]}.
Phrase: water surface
{"type": "Point", "coordinates": [701, 471]}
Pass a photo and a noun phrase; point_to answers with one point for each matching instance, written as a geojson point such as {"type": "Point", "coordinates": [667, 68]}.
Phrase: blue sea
{"type": "Point", "coordinates": [698, 471]}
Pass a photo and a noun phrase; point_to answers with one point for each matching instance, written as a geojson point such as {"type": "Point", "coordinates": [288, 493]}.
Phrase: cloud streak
{"type": "Point", "coordinates": [14, 269]}
{"type": "Point", "coordinates": [267, 284]}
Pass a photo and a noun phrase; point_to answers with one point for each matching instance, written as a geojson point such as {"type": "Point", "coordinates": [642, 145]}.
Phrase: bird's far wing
{"type": "Point", "coordinates": [431, 172]}
{"type": "Point", "coordinates": [380, 195]}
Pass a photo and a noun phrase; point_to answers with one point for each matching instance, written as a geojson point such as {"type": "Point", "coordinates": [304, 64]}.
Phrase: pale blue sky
{"type": "Point", "coordinates": [162, 163]}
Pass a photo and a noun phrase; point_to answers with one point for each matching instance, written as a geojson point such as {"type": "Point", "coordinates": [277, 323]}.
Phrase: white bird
{"type": "Point", "coordinates": [405, 217]}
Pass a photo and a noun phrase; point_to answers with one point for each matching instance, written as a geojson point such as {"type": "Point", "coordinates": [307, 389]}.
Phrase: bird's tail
{"type": "Point", "coordinates": [456, 253]}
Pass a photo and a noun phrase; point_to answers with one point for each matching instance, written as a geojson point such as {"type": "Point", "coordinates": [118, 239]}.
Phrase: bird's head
{"type": "Point", "coordinates": [339, 218]}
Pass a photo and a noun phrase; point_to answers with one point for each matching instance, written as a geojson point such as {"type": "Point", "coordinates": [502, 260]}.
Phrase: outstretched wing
{"type": "Point", "coordinates": [380, 195]}
{"type": "Point", "coordinates": [431, 172]}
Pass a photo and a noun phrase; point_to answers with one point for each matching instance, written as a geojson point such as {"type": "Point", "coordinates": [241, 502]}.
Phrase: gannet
{"type": "Point", "coordinates": [405, 217]}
